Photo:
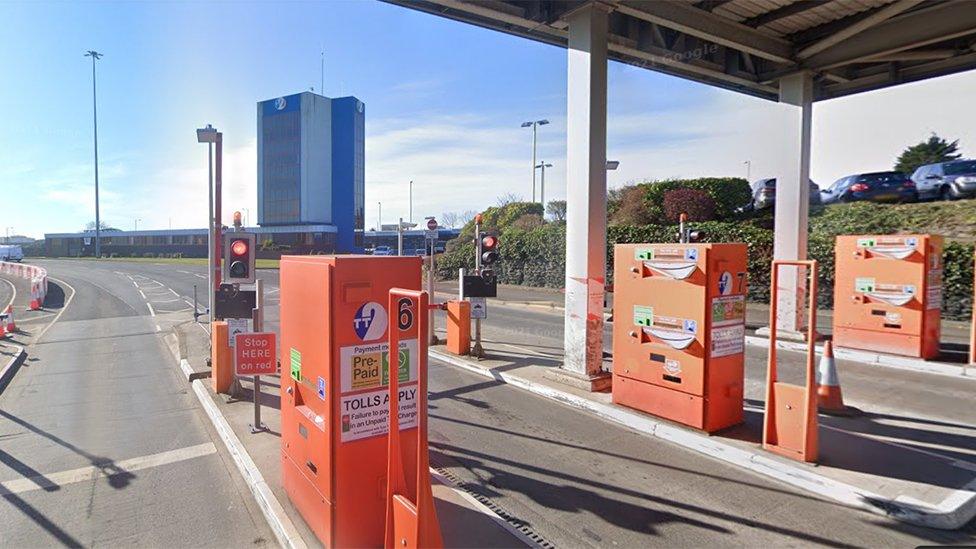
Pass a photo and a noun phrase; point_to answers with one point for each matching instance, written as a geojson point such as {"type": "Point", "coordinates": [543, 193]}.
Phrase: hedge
{"type": "Point", "coordinates": [729, 193]}
{"type": "Point", "coordinates": [537, 258]}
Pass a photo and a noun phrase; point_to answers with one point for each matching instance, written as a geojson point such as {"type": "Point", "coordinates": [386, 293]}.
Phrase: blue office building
{"type": "Point", "coordinates": [311, 166]}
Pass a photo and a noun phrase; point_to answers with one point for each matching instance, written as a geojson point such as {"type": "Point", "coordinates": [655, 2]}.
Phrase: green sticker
{"type": "Point", "coordinates": [865, 242]}
{"type": "Point", "coordinates": [864, 285]}
{"type": "Point", "coordinates": [296, 365]}
{"type": "Point", "coordinates": [643, 315]}
{"type": "Point", "coordinates": [644, 253]}
{"type": "Point", "coordinates": [403, 368]}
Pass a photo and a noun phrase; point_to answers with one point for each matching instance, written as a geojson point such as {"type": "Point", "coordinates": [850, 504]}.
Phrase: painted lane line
{"type": "Point", "coordinates": [13, 296]}
{"type": "Point", "coordinates": [64, 308]}
{"type": "Point", "coordinates": [83, 474]}
{"type": "Point", "coordinates": [142, 294]}
{"type": "Point", "coordinates": [174, 292]}
{"type": "Point", "coordinates": [200, 275]}
{"type": "Point", "coordinates": [151, 311]}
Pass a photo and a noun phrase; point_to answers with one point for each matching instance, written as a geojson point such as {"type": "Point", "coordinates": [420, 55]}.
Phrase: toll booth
{"type": "Point", "coordinates": [679, 331]}
{"type": "Point", "coordinates": [334, 390]}
{"type": "Point", "coordinates": [888, 294]}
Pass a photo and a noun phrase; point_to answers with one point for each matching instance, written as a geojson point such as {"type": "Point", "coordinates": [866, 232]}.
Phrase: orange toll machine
{"type": "Point", "coordinates": [888, 294]}
{"type": "Point", "coordinates": [679, 331]}
{"type": "Point", "coordinates": [334, 390]}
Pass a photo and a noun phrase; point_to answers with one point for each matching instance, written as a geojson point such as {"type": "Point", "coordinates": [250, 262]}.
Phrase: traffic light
{"type": "Point", "coordinates": [239, 251]}
{"type": "Point", "coordinates": [489, 250]}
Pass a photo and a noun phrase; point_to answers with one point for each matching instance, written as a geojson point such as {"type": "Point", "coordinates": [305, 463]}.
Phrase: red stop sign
{"type": "Point", "coordinates": [255, 354]}
{"type": "Point", "coordinates": [431, 224]}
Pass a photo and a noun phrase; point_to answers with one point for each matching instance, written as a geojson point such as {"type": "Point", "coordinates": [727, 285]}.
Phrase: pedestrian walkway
{"type": "Point", "coordinates": [464, 522]}
{"type": "Point", "coordinates": [911, 454]}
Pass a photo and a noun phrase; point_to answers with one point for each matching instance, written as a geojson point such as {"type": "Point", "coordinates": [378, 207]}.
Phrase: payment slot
{"type": "Point", "coordinates": [888, 294]}
{"type": "Point", "coordinates": [679, 331]}
{"type": "Point", "coordinates": [335, 364]}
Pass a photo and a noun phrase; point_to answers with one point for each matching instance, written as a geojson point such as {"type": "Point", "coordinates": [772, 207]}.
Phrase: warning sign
{"type": "Point", "coordinates": [729, 340]}
{"type": "Point", "coordinates": [368, 366]}
{"type": "Point", "coordinates": [237, 326]}
{"type": "Point", "coordinates": [933, 297]}
{"type": "Point", "coordinates": [364, 374]}
{"type": "Point", "coordinates": [364, 415]}
{"type": "Point", "coordinates": [728, 310]}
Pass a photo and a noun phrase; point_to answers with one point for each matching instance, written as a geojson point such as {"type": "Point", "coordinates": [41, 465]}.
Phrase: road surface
{"type": "Point", "coordinates": [573, 479]}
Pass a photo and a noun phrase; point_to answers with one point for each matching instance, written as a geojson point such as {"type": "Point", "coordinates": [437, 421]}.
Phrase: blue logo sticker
{"type": "Point", "coordinates": [691, 326]}
{"type": "Point", "coordinates": [370, 321]}
{"type": "Point", "coordinates": [913, 242]}
{"type": "Point", "coordinates": [691, 254]}
{"type": "Point", "coordinates": [725, 283]}
{"type": "Point", "coordinates": [321, 388]}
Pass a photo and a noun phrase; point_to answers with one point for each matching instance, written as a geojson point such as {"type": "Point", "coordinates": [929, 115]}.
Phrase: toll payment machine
{"type": "Point", "coordinates": [335, 322]}
{"type": "Point", "coordinates": [679, 331]}
{"type": "Point", "coordinates": [888, 294]}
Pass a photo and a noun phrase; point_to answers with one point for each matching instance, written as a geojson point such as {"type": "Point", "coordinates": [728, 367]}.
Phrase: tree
{"type": "Point", "coordinates": [508, 198]}
{"type": "Point", "coordinates": [102, 226]}
{"type": "Point", "coordinates": [632, 209]}
{"type": "Point", "coordinates": [557, 210]}
{"type": "Point", "coordinates": [450, 219]}
{"type": "Point", "coordinates": [465, 216]}
{"type": "Point", "coordinates": [934, 150]}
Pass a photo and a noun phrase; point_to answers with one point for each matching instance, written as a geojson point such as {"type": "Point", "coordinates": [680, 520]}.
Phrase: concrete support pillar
{"type": "Point", "coordinates": [792, 201]}
{"type": "Point", "coordinates": [586, 196]}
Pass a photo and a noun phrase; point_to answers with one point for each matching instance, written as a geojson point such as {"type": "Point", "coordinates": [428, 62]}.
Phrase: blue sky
{"type": "Point", "coordinates": [444, 103]}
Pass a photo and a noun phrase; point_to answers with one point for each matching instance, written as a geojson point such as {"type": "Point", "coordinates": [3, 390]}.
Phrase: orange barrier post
{"type": "Point", "coordinates": [409, 524]}
{"type": "Point", "coordinates": [221, 358]}
{"type": "Point", "coordinates": [459, 327]}
{"type": "Point", "coordinates": [790, 424]}
{"type": "Point", "coordinates": [11, 325]}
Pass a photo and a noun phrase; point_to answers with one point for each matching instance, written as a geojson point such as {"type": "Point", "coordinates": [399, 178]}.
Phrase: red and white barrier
{"type": "Point", "coordinates": [36, 275]}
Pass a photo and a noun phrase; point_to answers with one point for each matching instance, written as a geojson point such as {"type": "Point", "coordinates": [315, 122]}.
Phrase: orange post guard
{"type": "Point", "coordinates": [790, 424]}
{"type": "Point", "coordinates": [888, 294]}
{"type": "Point", "coordinates": [411, 520]}
{"type": "Point", "coordinates": [336, 366]}
{"type": "Point", "coordinates": [679, 331]}
{"type": "Point", "coordinates": [221, 358]}
{"type": "Point", "coordinates": [459, 327]}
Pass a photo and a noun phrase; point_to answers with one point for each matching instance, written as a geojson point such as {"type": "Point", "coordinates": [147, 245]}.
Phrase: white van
{"type": "Point", "coordinates": [11, 252]}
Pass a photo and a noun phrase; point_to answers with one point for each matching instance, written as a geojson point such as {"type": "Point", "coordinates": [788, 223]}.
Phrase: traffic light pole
{"type": "Point", "coordinates": [257, 322]}
{"type": "Point", "coordinates": [477, 350]}
{"type": "Point", "coordinates": [430, 292]}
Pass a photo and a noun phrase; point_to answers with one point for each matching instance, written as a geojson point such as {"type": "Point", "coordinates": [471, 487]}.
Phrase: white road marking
{"type": "Point", "coordinates": [199, 275]}
{"type": "Point", "coordinates": [151, 311]}
{"type": "Point", "coordinates": [184, 272]}
{"type": "Point", "coordinates": [142, 294]}
{"type": "Point", "coordinates": [61, 312]}
{"type": "Point", "coordinates": [158, 329]}
{"type": "Point", "coordinates": [12, 297]}
{"type": "Point", "coordinates": [73, 476]}
{"type": "Point", "coordinates": [174, 292]}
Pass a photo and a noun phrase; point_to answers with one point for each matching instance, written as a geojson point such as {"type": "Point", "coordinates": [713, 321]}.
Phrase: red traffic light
{"type": "Point", "coordinates": [489, 243]}
{"type": "Point", "coordinates": [239, 247]}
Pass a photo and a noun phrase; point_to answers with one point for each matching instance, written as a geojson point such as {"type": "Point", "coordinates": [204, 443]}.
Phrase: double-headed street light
{"type": "Point", "coordinates": [534, 125]}
{"type": "Point", "coordinates": [542, 183]}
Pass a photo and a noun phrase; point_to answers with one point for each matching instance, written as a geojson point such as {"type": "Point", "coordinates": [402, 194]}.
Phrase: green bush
{"type": "Point", "coordinates": [696, 204]}
{"type": "Point", "coordinates": [729, 193]}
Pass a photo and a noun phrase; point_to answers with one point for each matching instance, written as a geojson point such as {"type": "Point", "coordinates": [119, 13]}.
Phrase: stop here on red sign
{"type": "Point", "coordinates": [255, 354]}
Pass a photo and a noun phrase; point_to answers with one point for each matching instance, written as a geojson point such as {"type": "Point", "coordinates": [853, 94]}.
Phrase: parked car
{"type": "Point", "coordinates": [876, 187]}
{"type": "Point", "coordinates": [420, 251]}
{"type": "Point", "coordinates": [946, 180]}
{"type": "Point", "coordinates": [11, 252]}
{"type": "Point", "coordinates": [764, 194]}
{"type": "Point", "coordinates": [383, 250]}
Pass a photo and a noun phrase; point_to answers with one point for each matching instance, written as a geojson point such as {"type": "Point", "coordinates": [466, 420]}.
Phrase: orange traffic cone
{"type": "Point", "coordinates": [829, 398]}
{"type": "Point", "coordinates": [11, 325]}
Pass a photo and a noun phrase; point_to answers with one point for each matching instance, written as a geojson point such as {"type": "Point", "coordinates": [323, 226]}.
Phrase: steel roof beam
{"type": "Point", "coordinates": [860, 26]}
{"type": "Point", "coordinates": [690, 20]}
{"type": "Point", "coordinates": [789, 10]}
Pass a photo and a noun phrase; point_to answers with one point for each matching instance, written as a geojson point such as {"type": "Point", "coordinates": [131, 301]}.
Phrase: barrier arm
{"type": "Point", "coordinates": [409, 524]}
{"type": "Point", "coordinates": [790, 423]}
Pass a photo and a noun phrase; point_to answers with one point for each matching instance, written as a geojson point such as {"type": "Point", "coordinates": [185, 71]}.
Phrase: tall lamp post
{"type": "Point", "coordinates": [534, 125]}
{"type": "Point", "coordinates": [542, 184]}
{"type": "Point", "coordinates": [98, 229]}
{"type": "Point", "coordinates": [748, 164]}
{"type": "Point", "coordinates": [379, 216]}
{"type": "Point", "coordinates": [211, 137]}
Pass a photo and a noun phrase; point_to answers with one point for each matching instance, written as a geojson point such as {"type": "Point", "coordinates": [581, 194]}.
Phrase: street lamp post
{"type": "Point", "coordinates": [136, 227]}
{"type": "Point", "coordinates": [379, 216]}
{"type": "Point", "coordinates": [98, 243]}
{"type": "Point", "coordinates": [211, 137]}
{"type": "Point", "coordinates": [542, 185]}
{"type": "Point", "coordinates": [748, 164]}
{"type": "Point", "coordinates": [410, 216]}
{"type": "Point", "coordinates": [534, 125]}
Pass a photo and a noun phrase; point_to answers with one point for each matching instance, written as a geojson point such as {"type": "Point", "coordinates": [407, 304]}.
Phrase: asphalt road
{"type": "Point", "coordinates": [577, 481]}
{"type": "Point", "coordinates": [100, 441]}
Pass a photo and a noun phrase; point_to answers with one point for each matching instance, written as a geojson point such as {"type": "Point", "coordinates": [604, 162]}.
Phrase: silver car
{"type": "Point", "coordinates": [946, 180]}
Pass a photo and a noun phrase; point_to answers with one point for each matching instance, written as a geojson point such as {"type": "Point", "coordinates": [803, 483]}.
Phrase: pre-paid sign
{"type": "Point", "coordinates": [255, 354]}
